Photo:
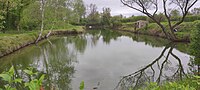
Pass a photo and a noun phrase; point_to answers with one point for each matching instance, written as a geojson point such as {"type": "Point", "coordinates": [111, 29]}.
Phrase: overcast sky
{"type": "Point", "coordinates": [116, 7]}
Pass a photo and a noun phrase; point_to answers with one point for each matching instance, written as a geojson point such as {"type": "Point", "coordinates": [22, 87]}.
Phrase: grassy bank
{"type": "Point", "coordinates": [184, 29]}
{"type": "Point", "coordinates": [10, 42]}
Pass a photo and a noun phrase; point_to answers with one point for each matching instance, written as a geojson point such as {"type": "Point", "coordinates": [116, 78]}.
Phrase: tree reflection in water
{"type": "Point", "coordinates": [54, 58]}
{"type": "Point", "coordinates": [159, 70]}
{"type": "Point", "coordinates": [57, 61]}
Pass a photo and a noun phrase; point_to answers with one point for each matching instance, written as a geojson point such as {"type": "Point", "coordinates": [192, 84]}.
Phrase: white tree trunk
{"type": "Point", "coordinates": [42, 5]}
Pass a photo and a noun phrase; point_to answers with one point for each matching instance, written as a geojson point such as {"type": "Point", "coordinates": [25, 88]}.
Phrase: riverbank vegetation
{"type": "Point", "coordinates": [191, 83]}
{"type": "Point", "coordinates": [182, 32]}
{"type": "Point", "coordinates": [145, 7]}
{"type": "Point", "coordinates": [21, 20]}
{"type": "Point", "coordinates": [11, 42]}
{"type": "Point", "coordinates": [189, 80]}
{"type": "Point", "coordinates": [11, 82]}
{"type": "Point", "coordinates": [25, 15]}
{"type": "Point", "coordinates": [25, 22]}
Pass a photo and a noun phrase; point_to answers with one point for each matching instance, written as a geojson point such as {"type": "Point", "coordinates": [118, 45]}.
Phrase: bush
{"type": "Point", "coordinates": [12, 81]}
{"type": "Point", "coordinates": [195, 43]}
{"type": "Point", "coordinates": [189, 18]}
{"type": "Point", "coordinates": [191, 83]}
{"type": "Point", "coordinates": [134, 19]}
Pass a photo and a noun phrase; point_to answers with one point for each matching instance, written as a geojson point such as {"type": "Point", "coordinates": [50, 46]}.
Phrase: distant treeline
{"type": "Point", "coordinates": [189, 18]}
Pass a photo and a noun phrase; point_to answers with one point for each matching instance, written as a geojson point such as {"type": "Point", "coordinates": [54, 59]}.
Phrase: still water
{"type": "Point", "coordinates": [101, 59]}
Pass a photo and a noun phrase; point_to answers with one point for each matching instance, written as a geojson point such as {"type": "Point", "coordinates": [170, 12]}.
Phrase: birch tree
{"type": "Point", "coordinates": [42, 8]}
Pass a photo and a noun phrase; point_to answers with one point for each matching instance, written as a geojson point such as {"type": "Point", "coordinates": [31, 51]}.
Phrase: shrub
{"type": "Point", "coordinates": [191, 83]}
{"type": "Point", "coordinates": [11, 80]}
{"type": "Point", "coordinates": [195, 43]}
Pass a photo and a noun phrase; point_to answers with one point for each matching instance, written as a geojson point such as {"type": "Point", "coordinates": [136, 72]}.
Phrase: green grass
{"type": "Point", "coordinates": [184, 29]}
{"type": "Point", "coordinates": [12, 41]}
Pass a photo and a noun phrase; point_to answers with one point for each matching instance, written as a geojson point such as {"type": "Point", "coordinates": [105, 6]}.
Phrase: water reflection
{"type": "Point", "coordinates": [107, 35]}
{"type": "Point", "coordinates": [57, 66]}
{"type": "Point", "coordinates": [101, 56]}
{"type": "Point", "coordinates": [194, 66]}
{"type": "Point", "coordinates": [54, 58]}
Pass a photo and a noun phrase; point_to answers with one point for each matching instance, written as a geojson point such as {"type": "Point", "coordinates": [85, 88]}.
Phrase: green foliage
{"type": "Point", "coordinates": [31, 17]}
{"type": "Point", "coordinates": [12, 41]}
{"type": "Point", "coordinates": [168, 86]}
{"type": "Point", "coordinates": [1, 20]}
{"type": "Point", "coordinates": [34, 84]}
{"type": "Point", "coordinates": [134, 19]}
{"type": "Point", "coordinates": [184, 30]}
{"type": "Point", "coordinates": [175, 13]}
{"type": "Point", "coordinates": [94, 16]}
{"type": "Point", "coordinates": [11, 11]}
{"type": "Point", "coordinates": [195, 43]}
{"type": "Point", "coordinates": [79, 11]}
{"type": "Point", "coordinates": [10, 78]}
{"type": "Point", "coordinates": [26, 14]}
{"type": "Point", "coordinates": [191, 83]}
{"type": "Point", "coordinates": [82, 85]}
{"type": "Point", "coordinates": [106, 17]}
{"type": "Point", "coordinates": [189, 18]}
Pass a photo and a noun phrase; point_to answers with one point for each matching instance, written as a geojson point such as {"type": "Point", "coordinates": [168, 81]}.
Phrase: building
{"type": "Point", "coordinates": [141, 24]}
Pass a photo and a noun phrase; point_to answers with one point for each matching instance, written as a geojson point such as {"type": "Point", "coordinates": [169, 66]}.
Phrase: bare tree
{"type": "Point", "coordinates": [146, 7]}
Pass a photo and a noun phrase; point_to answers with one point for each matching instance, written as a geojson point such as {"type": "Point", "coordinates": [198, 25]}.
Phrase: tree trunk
{"type": "Point", "coordinates": [42, 23]}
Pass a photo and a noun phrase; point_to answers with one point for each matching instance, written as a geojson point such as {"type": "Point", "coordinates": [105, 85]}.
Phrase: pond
{"type": "Point", "coordinates": [103, 59]}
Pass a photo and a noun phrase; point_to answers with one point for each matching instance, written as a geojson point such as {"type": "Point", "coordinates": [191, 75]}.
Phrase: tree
{"type": "Point", "coordinates": [116, 21]}
{"type": "Point", "coordinates": [42, 8]}
{"type": "Point", "coordinates": [21, 5]}
{"type": "Point", "coordinates": [11, 11]}
{"type": "Point", "coordinates": [145, 6]}
{"type": "Point", "coordinates": [175, 13]}
{"type": "Point", "coordinates": [7, 7]}
{"type": "Point", "coordinates": [106, 17]}
{"type": "Point", "coordinates": [61, 13]}
{"type": "Point", "coordinates": [94, 16]}
{"type": "Point", "coordinates": [31, 17]}
{"type": "Point", "coordinates": [79, 9]}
